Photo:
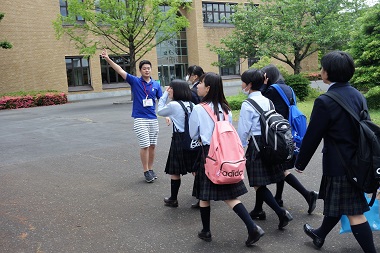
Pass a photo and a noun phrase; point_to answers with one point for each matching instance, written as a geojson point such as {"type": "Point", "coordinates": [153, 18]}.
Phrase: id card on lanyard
{"type": "Point", "coordinates": [147, 101]}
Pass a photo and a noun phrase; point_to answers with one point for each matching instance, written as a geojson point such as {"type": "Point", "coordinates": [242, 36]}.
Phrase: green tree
{"type": "Point", "coordinates": [4, 44]}
{"type": "Point", "coordinates": [288, 30]}
{"type": "Point", "coordinates": [130, 27]}
{"type": "Point", "coordinates": [365, 49]}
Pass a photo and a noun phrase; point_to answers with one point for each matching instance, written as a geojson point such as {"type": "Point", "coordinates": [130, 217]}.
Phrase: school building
{"type": "Point", "coordinates": [38, 61]}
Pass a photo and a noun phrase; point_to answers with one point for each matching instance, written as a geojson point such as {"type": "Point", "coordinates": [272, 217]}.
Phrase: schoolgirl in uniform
{"type": "Point", "coordinates": [259, 175]}
{"type": "Point", "coordinates": [340, 134]}
{"type": "Point", "coordinates": [179, 162]}
{"type": "Point", "coordinates": [201, 126]}
{"type": "Point", "coordinates": [273, 76]}
{"type": "Point", "coordinates": [196, 73]}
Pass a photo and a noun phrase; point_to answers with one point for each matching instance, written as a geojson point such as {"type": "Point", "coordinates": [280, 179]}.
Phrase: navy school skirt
{"type": "Point", "coordinates": [258, 173]}
{"type": "Point", "coordinates": [204, 189]}
{"type": "Point", "coordinates": [179, 162]}
{"type": "Point", "coordinates": [340, 197]}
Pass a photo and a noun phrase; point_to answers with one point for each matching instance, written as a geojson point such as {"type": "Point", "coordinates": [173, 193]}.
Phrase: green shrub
{"type": "Point", "coordinates": [264, 61]}
{"type": "Point", "coordinates": [314, 93]}
{"type": "Point", "coordinates": [236, 101]}
{"type": "Point", "coordinates": [299, 84]}
{"type": "Point", "coordinates": [373, 98]}
{"type": "Point", "coordinates": [365, 78]}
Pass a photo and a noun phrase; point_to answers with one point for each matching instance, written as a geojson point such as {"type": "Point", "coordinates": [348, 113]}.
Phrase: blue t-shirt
{"type": "Point", "coordinates": [140, 91]}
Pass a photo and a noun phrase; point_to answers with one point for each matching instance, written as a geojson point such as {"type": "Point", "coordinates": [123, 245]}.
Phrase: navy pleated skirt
{"type": "Point", "coordinates": [180, 162]}
{"type": "Point", "coordinates": [341, 197]}
{"type": "Point", "coordinates": [204, 189]}
{"type": "Point", "coordinates": [258, 173]}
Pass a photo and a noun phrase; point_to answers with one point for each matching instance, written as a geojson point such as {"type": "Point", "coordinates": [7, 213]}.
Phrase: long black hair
{"type": "Point", "coordinates": [273, 74]}
{"type": "Point", "coordinates": [215, 94]}
{"type": "Point", "coordinates": [181, 90]}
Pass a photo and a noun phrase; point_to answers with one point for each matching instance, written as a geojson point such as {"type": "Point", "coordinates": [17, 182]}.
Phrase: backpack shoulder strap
{"type": "Point", "coordinates": [209, 111]}
{"type": "Point", "coordinates": [257, 107]}
{"type": "Point", "coordinates": [212, 114]}
{"type": "Point", "coordinates": [283, 95]}
{"type": "Point", "coordinates": [186, 115]}
{"type": "Point", "coordinates": [337, 98]}
{"type": "Point", "coordinates": [184, 107]}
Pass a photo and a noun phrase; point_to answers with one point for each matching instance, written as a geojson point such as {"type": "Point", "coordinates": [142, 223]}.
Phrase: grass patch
{"type": "Point", "coordinates": [306, 107]}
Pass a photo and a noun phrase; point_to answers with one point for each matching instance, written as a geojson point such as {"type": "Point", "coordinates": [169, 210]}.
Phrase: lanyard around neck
{"type": "Point", "coordinates": [146, 93]}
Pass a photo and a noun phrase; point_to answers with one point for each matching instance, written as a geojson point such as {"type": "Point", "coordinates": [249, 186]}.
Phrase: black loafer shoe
{"type": "Point", "coordinates": [258, 215]}
{"type": "Point", "coordinates": [170, 202]}
{"type": "Point", "coordinates": [318, 241]}
{"type": "Point", "coordinates": [284, 220]}
{"type": "Point", "coordinates": [312, 201]}
{"type": "Point", "coordinates": [195, 205]}
{"type": "Point", "coordinates": [206, 236]}
{"type": "Point", "coordinates": [255, 236]}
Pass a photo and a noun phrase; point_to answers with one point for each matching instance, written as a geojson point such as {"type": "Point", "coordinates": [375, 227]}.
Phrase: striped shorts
{"type": "Point", "coordinates": [146, 131]}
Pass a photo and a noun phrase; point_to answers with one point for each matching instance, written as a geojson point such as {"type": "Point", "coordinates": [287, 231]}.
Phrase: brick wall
{"type": "Point", "coordinates": [37, 59]}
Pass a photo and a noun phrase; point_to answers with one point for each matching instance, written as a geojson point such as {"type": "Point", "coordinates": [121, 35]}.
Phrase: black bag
{"type": "Point", "coordinates": [187, 142]}
{"type": "Point", "coordinates": [364, 169]}
{"type": "Point", "coordinates": [276, 134]}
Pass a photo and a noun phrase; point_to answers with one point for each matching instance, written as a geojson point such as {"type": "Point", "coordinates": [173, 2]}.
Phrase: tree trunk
{"type": "Point", "coordinates": [132, 58]}
{"type": "Point", "coordinates": [297, 60]}
{"type": "Point", "coordinates": [297, 66]}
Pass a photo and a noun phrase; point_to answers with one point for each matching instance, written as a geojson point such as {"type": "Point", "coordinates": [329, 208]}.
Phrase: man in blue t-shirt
{"type": "Point", "coordinates": [145, 91]}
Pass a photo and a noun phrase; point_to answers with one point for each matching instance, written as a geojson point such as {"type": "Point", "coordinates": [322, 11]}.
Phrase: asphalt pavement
{"type": "Point", "coordinates": [71, 181]}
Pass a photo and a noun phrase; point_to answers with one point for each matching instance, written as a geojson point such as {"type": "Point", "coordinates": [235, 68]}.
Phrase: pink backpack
{"type": "Point", "coordinates": [225, 162]}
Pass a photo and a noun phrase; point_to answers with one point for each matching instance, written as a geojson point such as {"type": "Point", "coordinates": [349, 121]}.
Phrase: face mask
{"type": "Point", "coordinates": [187, 78]}
{"type": "Point", "coordinates": [244, 91]}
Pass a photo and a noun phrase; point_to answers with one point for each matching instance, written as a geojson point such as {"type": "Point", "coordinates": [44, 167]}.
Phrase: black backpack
{"type": "Point", "coordinates": [276, 134]}
{"type": "Point", "coordinates": [363, 171]}
{"type": "Point", "coordinates": [187, 142]}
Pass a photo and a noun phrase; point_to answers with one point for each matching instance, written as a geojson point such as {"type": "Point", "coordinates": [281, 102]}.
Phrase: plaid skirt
{"type": "Point", "coordinates": [179, 162]}
{"type": "Point", "coordinates": [204, 189]}
{"type": "Point", "coordinates": [258, 173]}
{"type": "Point", "coordinates": [341, 197]}
{"type": "Point", "coordinates": [289, 164]}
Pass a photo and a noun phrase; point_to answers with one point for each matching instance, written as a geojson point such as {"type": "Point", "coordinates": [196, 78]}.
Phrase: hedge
{"type": "Point", "coordinates": [15, 102]}
{"type": "Point", "coordinates": [373, 98]}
